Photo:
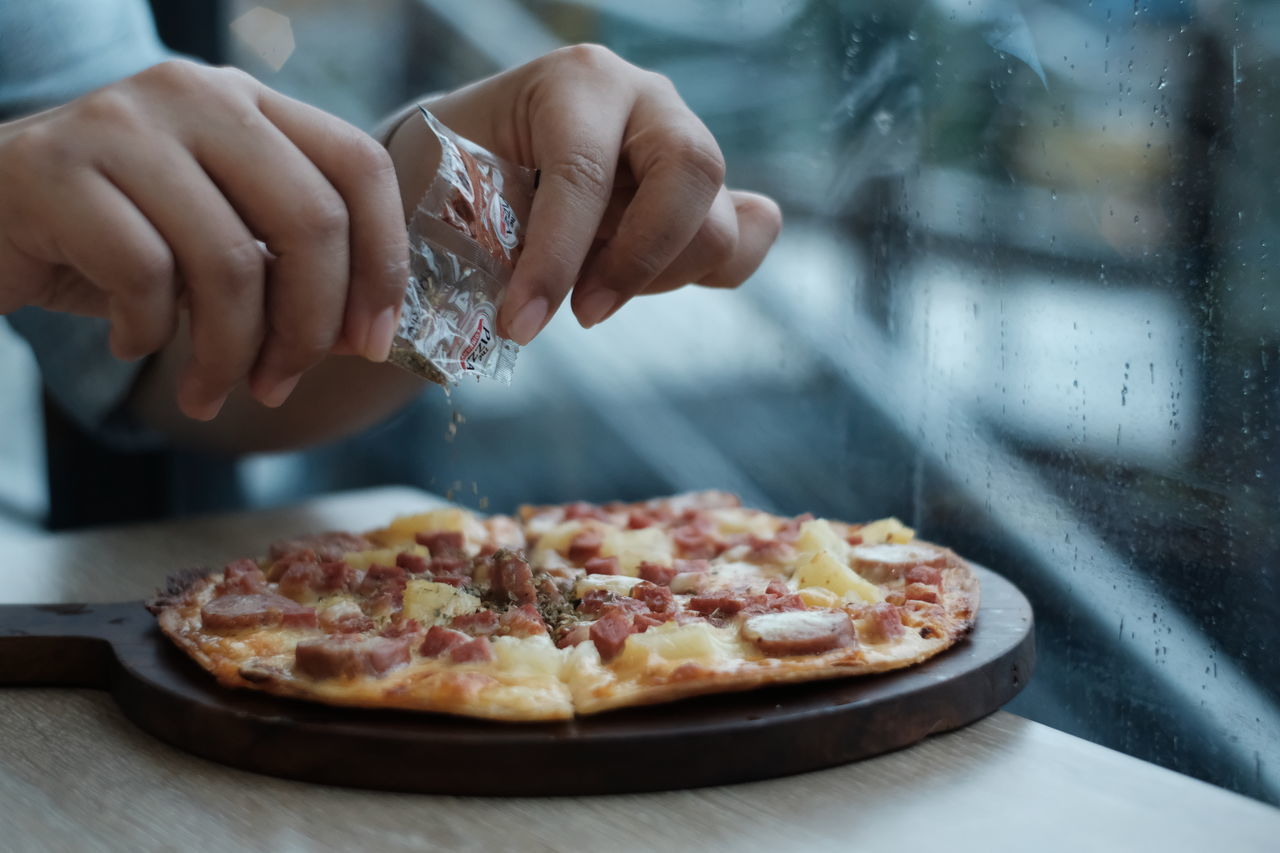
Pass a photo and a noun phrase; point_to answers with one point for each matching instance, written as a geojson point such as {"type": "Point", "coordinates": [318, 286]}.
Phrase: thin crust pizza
{"type": "Point", "coordinates": [571, 610]}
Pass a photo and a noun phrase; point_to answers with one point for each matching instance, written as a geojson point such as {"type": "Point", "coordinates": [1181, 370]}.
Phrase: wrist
{"type": "Point", "coordinates": [415, 153]}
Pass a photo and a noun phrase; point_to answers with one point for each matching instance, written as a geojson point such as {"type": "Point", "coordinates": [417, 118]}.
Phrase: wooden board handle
{"type": "Point", "coordinates": [63, 644]}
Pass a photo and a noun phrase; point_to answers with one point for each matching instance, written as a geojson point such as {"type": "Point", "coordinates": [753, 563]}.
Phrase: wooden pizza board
{"type": "Point", "coordinates": [711, 740]}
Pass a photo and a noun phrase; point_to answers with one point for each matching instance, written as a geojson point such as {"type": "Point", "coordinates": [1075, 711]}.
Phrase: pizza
{"type": "Point", "coordinates": [572, 609]}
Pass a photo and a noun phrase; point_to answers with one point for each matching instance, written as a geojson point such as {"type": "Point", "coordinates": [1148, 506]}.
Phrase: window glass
{"type": "Point", "coordinates": [1022, 301]}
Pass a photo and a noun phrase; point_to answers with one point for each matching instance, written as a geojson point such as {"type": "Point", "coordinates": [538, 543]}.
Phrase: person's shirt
{"type": "Point", "coordinates": [51, 52]}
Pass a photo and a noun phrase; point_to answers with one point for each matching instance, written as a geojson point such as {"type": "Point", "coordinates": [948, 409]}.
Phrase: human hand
{"type": "Point", "coordinates": [632, 197]}
{"type": "Point", "coordinates": [152, 194]}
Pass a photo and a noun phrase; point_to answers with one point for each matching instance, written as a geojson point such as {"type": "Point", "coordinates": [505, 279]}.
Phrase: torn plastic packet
{"type": "Point", "coordinates": [464, 239]}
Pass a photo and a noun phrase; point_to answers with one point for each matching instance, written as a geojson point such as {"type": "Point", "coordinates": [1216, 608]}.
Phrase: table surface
{"type": "Point", "coordinates": [74, 774]}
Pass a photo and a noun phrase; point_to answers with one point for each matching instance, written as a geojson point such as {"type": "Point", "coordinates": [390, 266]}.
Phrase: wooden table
{"type": "Point", "coordinates": [74, 774]}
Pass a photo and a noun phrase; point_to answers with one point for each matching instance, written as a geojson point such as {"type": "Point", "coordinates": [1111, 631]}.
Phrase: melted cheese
{"type": "Point", "coordinates": [362, 560]}
{"type": "Point", "coordinates": [816, 596]}
{"type": "Point", "coordinates": [825, 571]}
{"type": "Point", "coordinates": [432, 603]}
{"type": "Point", "coordinates": [548, 552]}
{"type": "Point", "coordinates": [886, 530]}
{"type": "Point", "coordinates": [817, 536]}
{"type": "Point", "coordinates": [824, 563]}
{"type": "Point", "coordinates": [697, 641]}
{"type": "Point", "coordinates": [791, 625]}
{"type": "Point", "coordinates": [529, 656]}
{"type": "Point", "coordinates": [633, 547]}
{"type": "Point", "coordinates": [617, 584]}
{"type": "Point", "coordinates": [405, 529]}
{"type": "Point", "coordinates": [738, 520]}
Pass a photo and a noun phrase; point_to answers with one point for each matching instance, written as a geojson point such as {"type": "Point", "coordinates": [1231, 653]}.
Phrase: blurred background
{"type": "Point", "coordinates": [1022, 301]}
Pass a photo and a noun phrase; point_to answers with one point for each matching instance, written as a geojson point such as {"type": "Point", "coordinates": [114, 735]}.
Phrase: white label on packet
{"type": "Point", "coordinates": [480, 342]}
{"type": "Point", "coordinates": [505, 225]}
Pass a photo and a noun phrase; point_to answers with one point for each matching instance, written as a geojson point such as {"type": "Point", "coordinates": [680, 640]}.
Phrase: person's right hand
{"type": "Point", "coordinates": [152, 194]}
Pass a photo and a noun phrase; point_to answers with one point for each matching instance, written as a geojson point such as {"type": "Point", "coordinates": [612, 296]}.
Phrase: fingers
{"type": "Point", "coordinates": [106, 240]}
{"type": "Point", "coordinates": [288, 203]}
{"type": "Point", "coordinates": [759, 223]}
{"type": "Point", "coordinates": [362, 172]}
{"type": "Point", "coordinates": [680, 172]}
{"type": "Point", "coordinates": [714, 260]}
{"type": "Point", "coordinates": [577, 140]}
{"type": "Point", "coordinates": [218, 257]}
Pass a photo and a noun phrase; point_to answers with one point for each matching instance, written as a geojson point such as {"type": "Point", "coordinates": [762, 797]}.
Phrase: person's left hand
{"type": "Point", "coordinates": [632, 197]}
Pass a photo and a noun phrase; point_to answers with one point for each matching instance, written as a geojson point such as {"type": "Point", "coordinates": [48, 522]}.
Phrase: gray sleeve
{"type": "Point", "coordinates": [82, 376]}
{"type": "Point", "coordinates": [52, 51]}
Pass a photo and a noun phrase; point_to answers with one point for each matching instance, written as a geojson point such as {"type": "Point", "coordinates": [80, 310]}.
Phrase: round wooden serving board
{"type": "Point", "coordinates": [713, 740]}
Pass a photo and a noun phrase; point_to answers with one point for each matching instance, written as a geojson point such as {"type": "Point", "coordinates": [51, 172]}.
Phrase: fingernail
{"type": "Point", "coordinates": [278, 393]}
{"type": "Point", "coordinates": [597, 305]}
{"type": "Point", "coordinates": [529, 320]}
{"type": "Point", "coordinates": [198, 403]}
{"type": "Point", "coordinates": [381, 332]}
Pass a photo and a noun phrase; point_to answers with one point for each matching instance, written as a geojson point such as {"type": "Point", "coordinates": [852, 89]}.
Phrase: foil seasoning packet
{"type": "Point", "coordinates": [465, 236]}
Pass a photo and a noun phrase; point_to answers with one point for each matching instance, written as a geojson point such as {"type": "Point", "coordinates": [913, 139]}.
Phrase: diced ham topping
{"type": "Point", "coordinates": [549, 591]}
{"type": "Point", "coordinates": [523, 621]}
{"type": "Point", "coordinates": [255, 610]}
{"type": "Point", "coordinates": [658, 599]}
{"type": "Point", "coordinates": [925, 575]}
{"type": "Point", "coordinates": [724, 604]}
{"type": "Point", "coordinates": [381, 579]}
{"type": "Point", "coordinates": [610, 633]}
{"type": "Point", "coordinates": [344, 617]}
{"type": "Point", "coordinates": [696, 542]}
{"type": "Point", "coordinates": [439, 640]}
{"type": "Point", "coordinates": [512, 577]}
{"type": "Point", "coordinates": [287, 561]}
{"type": "Point", "coordinates": [584, 546]}
{"type": "Point", "coordinates": [482, 622]}
{"type": "Point", "coordinates": [800, 633]}
{"type": "Point", "coordinates": [690, 566]}
{"type": "Point", "coordinates": [242, 577]}
{"type": "Point", "coordinates": [582, 509]}
{"type": "Point", "coordinates": [300, 580]}
{"type": "Point", "coordinates": [402, 626]}
{"type": "Point", "coordinates": [881, 622]}
{"type": "Point", "coordinates": [325, 546]}
{"type": "Point", "coordinates": [639, 519]}
{"type": "Point", "coordinates": [337, 576]}
{"type": "Point", "coordinates": [854, 538]}
{"type": "Point", "coordinates": [656, 573]}
{"type": "Point", "coordinates": [642, 622]}
{"type": "Point", "coordinates": [455, 570]}
{"type": "Point", "coordinates": [602, 566]}
{"type": "Point", "coordinates": [350, 657]}
{"type": "Point", "coordinates": [920, 592]}
{"type": "Point", "coordinates": [414, 564]}
{"type": "Point", "coordinates": [473, 651]}
{"type": "Point", "coordinates": [573, 636]}
{"type": "Point", "coordinates": [443, 542]}
{"type": "Point", "coordinates": [599, 601]}
{"type": "Point", "coordinates": [768, 550]}
{"type": "Point", "coordinates": [772, 603]}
